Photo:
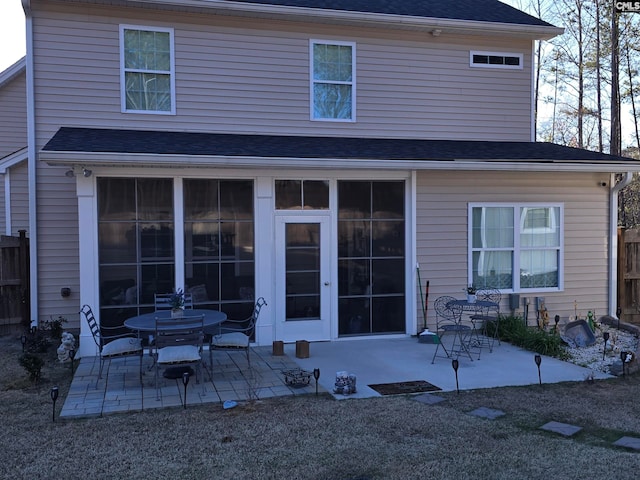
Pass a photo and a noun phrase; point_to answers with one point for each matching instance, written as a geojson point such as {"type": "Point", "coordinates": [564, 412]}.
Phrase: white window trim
{"type": "Point", "coordinates": [313, 42]}
{"type": "Point", "coordinates": [516, 207]}
{"type": "Point", "coordinates": [520, 56]}
{"type": "Point", "coordinates": [172, 77]}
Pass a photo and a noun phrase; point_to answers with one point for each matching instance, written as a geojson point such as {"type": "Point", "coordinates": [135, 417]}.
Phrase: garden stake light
{"type": "Point", "coordinates": [557, 320]}
{"type": "Point", "coordinates": [623, 358]}
{"type": "Point", "coordinates": [316, 375]}
{"type": "Point", "coordinates": [605, 336]}
{"type": "Point", "coordinates": [455, 365]}
{"type": "Point", "coordinates": [185, 382]}
{"type": "Point", "coordinates": [538, 360]}
{"type": "Point", "coordinates": [54, 396]}
{"type": "Point", "coordinates": [72, 355]}
{"type": "Point", "coordinates": [23, 340]}
{"type": "Point", "coordinates": [618, 313]}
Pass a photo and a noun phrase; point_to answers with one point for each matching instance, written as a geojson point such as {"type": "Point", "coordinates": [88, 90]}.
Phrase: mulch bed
{"type": "Point", "coordinates": [400, 388]}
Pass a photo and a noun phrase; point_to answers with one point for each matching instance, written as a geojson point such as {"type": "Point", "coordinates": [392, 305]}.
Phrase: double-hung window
{"type": "Point", "coordinates": [147, 70]}
{"type": "Point", "coordinates": [333, 85]}
{"type": "Point", "coordinates": [516, 247]}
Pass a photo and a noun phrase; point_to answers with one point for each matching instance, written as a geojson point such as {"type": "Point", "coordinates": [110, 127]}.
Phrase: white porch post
{"type": "Point", "coordinates": [88, 257]}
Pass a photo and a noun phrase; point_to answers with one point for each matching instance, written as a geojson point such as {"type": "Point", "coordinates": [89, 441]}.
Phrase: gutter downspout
{"type": "Point", "coordinates": [613, 239]}
{"type": "Point", "coordinates": [31, 165]}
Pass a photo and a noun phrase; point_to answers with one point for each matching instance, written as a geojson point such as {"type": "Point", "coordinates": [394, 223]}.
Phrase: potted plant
{"type": "Point", "coordinates": [471, 293]}
{"type": "Point", "coordinates": [177, 303]}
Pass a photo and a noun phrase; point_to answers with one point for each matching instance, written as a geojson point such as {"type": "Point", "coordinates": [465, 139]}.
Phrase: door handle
{"type": "Point", "coordinates": [326, 284]}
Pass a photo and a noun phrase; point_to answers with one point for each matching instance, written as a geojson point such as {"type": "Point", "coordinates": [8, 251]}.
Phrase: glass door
{"type": "Point", "coordinates": [302, 278]}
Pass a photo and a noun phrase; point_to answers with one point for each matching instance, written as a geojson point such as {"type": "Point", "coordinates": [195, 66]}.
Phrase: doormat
{"type": "Point", "coordinates": [399, 388]}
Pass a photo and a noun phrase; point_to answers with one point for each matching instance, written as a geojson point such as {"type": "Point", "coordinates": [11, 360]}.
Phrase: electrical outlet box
{"type": "Point", "coordinates": [514, 301]}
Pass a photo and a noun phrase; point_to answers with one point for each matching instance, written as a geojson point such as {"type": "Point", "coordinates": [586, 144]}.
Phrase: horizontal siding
{"type": "Point", "coordinates": [13, 115]}
{"type": "Point", "coordinates": [442, 200]}
{"type": "Point", "coordinates": [239, 75]}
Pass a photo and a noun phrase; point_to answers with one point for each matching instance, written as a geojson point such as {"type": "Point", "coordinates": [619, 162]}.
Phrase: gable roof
{"type": "Point", "coordinates": [148, 147]}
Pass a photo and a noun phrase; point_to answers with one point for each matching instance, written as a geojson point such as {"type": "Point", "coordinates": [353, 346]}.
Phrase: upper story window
{"type": "Point", "coordinates": [516, 247]}
{"type": "Point", "coordinates": [333, 81]}
{"type": "Point", "coordinates": [495, 60]}
{"type": "Point", "coordinates": [147, 69]}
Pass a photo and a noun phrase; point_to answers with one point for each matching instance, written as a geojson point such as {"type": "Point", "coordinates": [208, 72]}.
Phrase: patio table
{"type": "Point", "coordinates": [146, 322]}
{"type": "Point", "coordinates": [478, 311]}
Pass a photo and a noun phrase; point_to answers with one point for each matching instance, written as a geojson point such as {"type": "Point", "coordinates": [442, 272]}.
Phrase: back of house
{"type": "Point", "coordinates": [314, 153]}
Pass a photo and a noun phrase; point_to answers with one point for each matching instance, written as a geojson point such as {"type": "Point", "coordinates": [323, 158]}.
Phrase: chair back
{"type": "Point", "coordinates": [162, 301]}
{"type": "Point", "coordinates": [253, 319]}
{"type": "Point", "coordinates": [93, 324]}
{"type": "Point", "coordinates": [445, 310]}
{"type": "Point", "coordinates": [176, 332]}
{"type": "Point", "coordinates": [490, 295]}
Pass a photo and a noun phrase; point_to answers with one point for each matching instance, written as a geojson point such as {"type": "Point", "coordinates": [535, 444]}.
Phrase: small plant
{"type": "Point", "coordinates": [177, 299]}
{"type": "Point", "coordinates": [55, 326]}
{"type": "Point", "coordinates": [515, 331]}
{"type": "Point", "coordinates": [33, 364]}
{"type": "Point", "coordinates": [471, 289]}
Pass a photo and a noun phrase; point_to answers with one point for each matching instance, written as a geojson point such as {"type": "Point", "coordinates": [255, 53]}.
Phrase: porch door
{"type": "Point", "coordinates": [302, 280]}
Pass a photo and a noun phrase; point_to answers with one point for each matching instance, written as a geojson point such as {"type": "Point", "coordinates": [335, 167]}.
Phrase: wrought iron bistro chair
{"type": "Point", "coordinates": [234, 334]}
{"type": "Point", "coordinates": [179, 343]}
{"type": "Point", "coordinates": [111, 344]}
{"type": "Point", "coordinates": [488, 315]}
{"type": "Point", "coordinates": [449, 323]}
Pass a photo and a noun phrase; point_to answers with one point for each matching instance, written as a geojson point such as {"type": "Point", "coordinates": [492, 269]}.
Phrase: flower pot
{"type": "Point", "coordinates": [177, 312]}
{"type": "Point", "coordinates": [471, 298]}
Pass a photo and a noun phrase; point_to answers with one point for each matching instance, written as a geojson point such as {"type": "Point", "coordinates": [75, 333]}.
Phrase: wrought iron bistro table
{"type": "Point", "coordinates": [478, 312]}
{"type": "Point", "coordinates": [146, 322]}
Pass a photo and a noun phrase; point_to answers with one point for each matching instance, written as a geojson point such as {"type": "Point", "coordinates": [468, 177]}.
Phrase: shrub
{"type": "Point", "coordinates": [33, 364]}
{"type": "Point", "coordinates": [55, 326]}
{"type": "Point", "coordinates": [514, 330]}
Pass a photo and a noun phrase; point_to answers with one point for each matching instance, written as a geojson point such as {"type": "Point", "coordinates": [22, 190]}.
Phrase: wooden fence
{"type": "Point", "coordinates": [14, 283]}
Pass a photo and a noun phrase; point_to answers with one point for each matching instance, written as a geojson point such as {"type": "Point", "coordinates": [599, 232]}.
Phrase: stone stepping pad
{"type": "Point", "coordinates": [488, 413]}
{"type": "Point", "coordinates": [628, 442]}
{"type": "Point", "coordinates": [561, 428]}
{"type": "Point", "coordinates": [429, 398]}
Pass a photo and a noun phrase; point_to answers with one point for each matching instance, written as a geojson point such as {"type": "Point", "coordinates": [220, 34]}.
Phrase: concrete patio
{"type": "Point", "coordinates": [372, 360]}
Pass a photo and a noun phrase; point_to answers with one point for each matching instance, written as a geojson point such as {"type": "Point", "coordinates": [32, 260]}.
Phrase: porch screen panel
{"type": "Point", "coordinates": [136, 250]}
{"type": "Point", "coordinates": [371, 257]}
{"type": "Point", "coordinates": [219, 244]}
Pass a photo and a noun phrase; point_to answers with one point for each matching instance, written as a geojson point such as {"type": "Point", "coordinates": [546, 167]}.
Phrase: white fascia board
{"type": "Point", "coordinates": [14, 158]}
{"type": "Point", "coordinates": [13, 71]}
{"type": "Point", "coordinates": [378, 20]}
{"type": "Point", "coordinates": [70, 159]}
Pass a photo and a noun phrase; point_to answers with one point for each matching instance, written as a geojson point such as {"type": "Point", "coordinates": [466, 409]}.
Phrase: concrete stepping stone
{"type": "Point", "coordinates": [488, 413]}
{"type": "Point", "coordinates": [429, 399]}
{"type": "Point", "coordinates": [561, 428]}
{"type": "Point", "coordinates": [628, 442]}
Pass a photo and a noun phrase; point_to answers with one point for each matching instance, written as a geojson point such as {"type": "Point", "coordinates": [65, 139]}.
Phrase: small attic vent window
{"type": "Point", "coordinates": [496, 60]}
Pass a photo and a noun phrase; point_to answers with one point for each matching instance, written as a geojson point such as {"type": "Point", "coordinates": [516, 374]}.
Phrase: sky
{"type": "Point", "coordinates": [12, 33]}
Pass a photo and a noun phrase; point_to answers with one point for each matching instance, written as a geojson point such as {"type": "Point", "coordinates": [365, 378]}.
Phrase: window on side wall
{"type": "Point", "coordinates": [147, 70]}
{"type": "Point", "coordinates": [516, 247]}
{"type": "Point", "coordinates": [332, 81]}
{"type": "Point", "coordinates": [511, 61]}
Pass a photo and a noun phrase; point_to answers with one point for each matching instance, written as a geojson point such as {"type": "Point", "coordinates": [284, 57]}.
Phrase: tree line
{"type": "Point", "coordinates": [587, 88]}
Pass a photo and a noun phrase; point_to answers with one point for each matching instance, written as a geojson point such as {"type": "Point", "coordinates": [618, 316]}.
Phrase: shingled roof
{"type": "Point", "coordinates": [472, 10]}
{"type": "Point", "coordinates": [119, 141]}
